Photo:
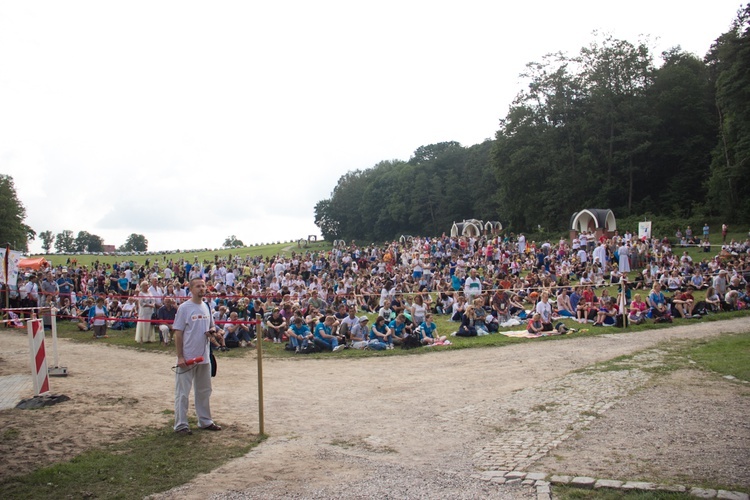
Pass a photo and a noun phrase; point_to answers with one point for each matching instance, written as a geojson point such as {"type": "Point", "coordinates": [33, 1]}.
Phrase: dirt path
{"type": "Point", "coordinates": [331, 422]}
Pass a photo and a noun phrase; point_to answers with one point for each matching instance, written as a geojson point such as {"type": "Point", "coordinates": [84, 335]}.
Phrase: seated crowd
{"type": "Point", "coordinates": [320, 298]}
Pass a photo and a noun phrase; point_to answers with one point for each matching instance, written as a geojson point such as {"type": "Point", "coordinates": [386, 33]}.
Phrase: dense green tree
{"type": "Point", "coordinates": [47, 239]}
{"type": "Point", "coordinates": [729, 63]}
{"type": "Point", "coordinates": [324, 219]}
{"type": "Point", "coordinates": [605, 128]}
{"type": "Point", "coordinates": [65, 242]}
{"type": "Point", "coordinates": [13, 230]}
{"type": "Point", "coordinates": [233, 241]}
{"type": "Point", "coordinates": [681, 100]}
{"type": "Point", "coordinates": [87, 242]}
{"type": "Point", "coordinates": [135, 243]}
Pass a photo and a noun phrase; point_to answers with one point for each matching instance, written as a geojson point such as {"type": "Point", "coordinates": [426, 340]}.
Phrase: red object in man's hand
{"type": "Point", "coordinates": [193, 361]}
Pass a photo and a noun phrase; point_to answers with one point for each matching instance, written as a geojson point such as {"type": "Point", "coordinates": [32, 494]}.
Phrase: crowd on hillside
{"type": "Point", "coordinates": [322, 298]}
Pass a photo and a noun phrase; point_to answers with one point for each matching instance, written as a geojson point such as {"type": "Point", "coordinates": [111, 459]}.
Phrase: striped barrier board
{"type": "Point", "coordinates": [38, 356]}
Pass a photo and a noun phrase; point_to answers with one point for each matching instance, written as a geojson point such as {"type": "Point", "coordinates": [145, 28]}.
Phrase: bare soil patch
{"type": "Point", "coordinates": [334, 422]}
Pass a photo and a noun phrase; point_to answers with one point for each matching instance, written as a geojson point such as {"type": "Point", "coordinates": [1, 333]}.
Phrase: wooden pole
{"type": "Point", "coordinates": [259, 347]}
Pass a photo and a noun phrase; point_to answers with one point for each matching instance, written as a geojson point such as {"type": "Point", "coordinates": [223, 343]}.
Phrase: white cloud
{"type": "Point", "coordinates": [191, 121]}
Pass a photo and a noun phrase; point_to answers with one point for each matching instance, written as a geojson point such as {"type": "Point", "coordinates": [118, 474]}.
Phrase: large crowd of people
{"type": "Point", "coordinates": [322, 299]}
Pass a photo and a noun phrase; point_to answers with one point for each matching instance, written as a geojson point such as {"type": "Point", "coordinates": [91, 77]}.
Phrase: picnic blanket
{"type": "Point", "coordinates": [523, 334]}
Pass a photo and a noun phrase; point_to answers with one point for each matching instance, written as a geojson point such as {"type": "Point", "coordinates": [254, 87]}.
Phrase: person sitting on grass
{"type": "Point", "coordinates": [325, 337]}
{"type": "Point", "coordinates": [713, 300]}
{"type": "Point", "coordinates": [585, 305]}
{"type": "Point", "coordinates": [445, 304]}
{"type": "Point", "coordinates": [237, 332]}
{"type": "Point", "coordinates": [386, 312]}
{"type": "Point", "coordinates": [217, 340]}
{"type": "Point", "coordinates": [535, 325]}
{"type": "Point", "coordinates": [381, 332]}
{"type": "Point", "coordinates": [638, 308]}
{"type": "Point", "coordinates": [468, 326]}
{"type": "Point", "coordinates": [658, 303]}
{"type": "Point", "coordinates": [83, 315]}
{"type": "Point", "coordinates": [400, 328]}
{"type": "Point", "coordinates": [564, 306]}
{"type": "Point", "coordinates": [299, 334]}
{"type": "Point", "coordinates": [276, 326]}
{"type": "Point", "coordinates": [544, 309]}
{"type": "Point", "coordinates": [684, 303]}
{"type": "Point", "coordinates": [167, 313]}
{"type": "Point", "coordinates": [606, 313]}
{"type": "Point", "coordinates": [458, 308]}
{"type": "Point", "coordinates": [98, 318]}
{"type": "Point", "coordinates": [428, 332]}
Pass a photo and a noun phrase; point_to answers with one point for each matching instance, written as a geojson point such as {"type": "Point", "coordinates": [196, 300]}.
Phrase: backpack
{"type": "Point", "coordinates": [310, 348]}
{"type": "Point", "coordinates": [411, 341]}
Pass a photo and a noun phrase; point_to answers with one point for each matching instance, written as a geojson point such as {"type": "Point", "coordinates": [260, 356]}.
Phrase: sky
{"type": "Point", "coordinates": [189, 122]}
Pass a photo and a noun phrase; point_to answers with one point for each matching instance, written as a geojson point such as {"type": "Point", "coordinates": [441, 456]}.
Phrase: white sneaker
{"type": "Point", "coordinates": [338, 347]}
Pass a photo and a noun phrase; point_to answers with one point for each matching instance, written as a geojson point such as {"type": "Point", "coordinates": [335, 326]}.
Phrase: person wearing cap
{"type": "Point", "coordinates": [299, 334]}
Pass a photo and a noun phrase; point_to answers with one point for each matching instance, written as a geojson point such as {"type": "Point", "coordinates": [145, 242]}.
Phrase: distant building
{"type": "Point", "coordinates": [108, 248]}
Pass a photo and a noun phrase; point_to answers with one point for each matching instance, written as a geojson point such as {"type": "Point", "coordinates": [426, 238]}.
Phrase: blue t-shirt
{"type": "Point", "coordinates": [301, 330]}
{"type": "Point", "coordinates": [379, 328]}
{"type": "Point", "coordinates": [397, 329]}
{"type": "Point", "coordinates": [321, 327]}
{"type": "Point", "coordinates": [574, 299]}
{"type": "Point", "coordinates": [427, 329]}
{"type": "Point", "coordinates": [657, 298]}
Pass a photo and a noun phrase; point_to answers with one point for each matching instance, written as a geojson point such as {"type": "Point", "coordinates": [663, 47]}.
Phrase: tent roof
{"type": "Point", "coordinates": [35, 263]}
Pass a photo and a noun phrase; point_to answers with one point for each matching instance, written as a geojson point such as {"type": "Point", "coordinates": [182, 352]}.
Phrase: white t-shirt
{"type": "Point", "coordinates": [194, 320]}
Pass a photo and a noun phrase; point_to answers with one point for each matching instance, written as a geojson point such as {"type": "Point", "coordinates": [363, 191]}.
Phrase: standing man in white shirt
{"type": "Point", "coordinates": [193, 326]}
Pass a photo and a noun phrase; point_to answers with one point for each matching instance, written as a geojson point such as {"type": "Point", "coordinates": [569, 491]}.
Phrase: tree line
{"type": "Point", "coordinates": [604, 128]}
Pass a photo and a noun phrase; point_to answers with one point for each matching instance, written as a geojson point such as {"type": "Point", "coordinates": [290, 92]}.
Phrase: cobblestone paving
{"type": "Point", "coordinates": [13, 388]}
{"type": "Point", "coordinates": [533, 421]}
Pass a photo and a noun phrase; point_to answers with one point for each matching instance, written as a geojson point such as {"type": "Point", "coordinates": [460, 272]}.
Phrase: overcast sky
{"type": "Point", "coordinates": [192, 121]}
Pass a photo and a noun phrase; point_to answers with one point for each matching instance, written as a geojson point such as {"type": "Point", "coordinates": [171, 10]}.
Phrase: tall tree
{"type": "Point", "coordinates": [729, 62]}
{"type": "Point", "coordinates": [65, 242]}
{"type": "Point", "coordinates": [233, 241]}
{"type": "Point", "coordinates": [135, 243]}
{"type": "Point", "coordinates": [684, 123]}
{"type": "Point", "coordinates": [13, 230]}
{"type": "Point", "coordinates": [47, 239]}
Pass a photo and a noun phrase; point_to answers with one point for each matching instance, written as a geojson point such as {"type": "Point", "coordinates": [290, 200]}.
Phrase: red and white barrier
{"type": "Point", "coordinates": [38, 356]}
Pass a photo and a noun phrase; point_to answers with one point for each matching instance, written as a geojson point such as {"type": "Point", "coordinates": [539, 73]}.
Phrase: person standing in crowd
{"type": "Point", "coordinates": [144, 332]}
{"type": "Point", "coordinates": [193, 327]}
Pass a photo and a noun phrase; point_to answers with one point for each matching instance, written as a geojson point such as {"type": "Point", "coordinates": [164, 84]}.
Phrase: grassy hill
{"type": "Point", "coordinates": [206, 254]}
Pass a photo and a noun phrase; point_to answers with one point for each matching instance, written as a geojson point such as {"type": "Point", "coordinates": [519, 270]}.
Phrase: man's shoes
{"type": "Point", "coordinates": [212, 427]}
{"type": "Point", "coordinates": [338, 347]}
{"type": "Point", "coordinates": [185, 431]}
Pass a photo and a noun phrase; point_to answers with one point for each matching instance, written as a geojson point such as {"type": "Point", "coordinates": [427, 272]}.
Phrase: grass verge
{"type": "Point", "coordinates": [570, 493]}
{"type": "Point", "coordinates": [157, 461]}
{"type": "Point", "coordinates": [727, 355]}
